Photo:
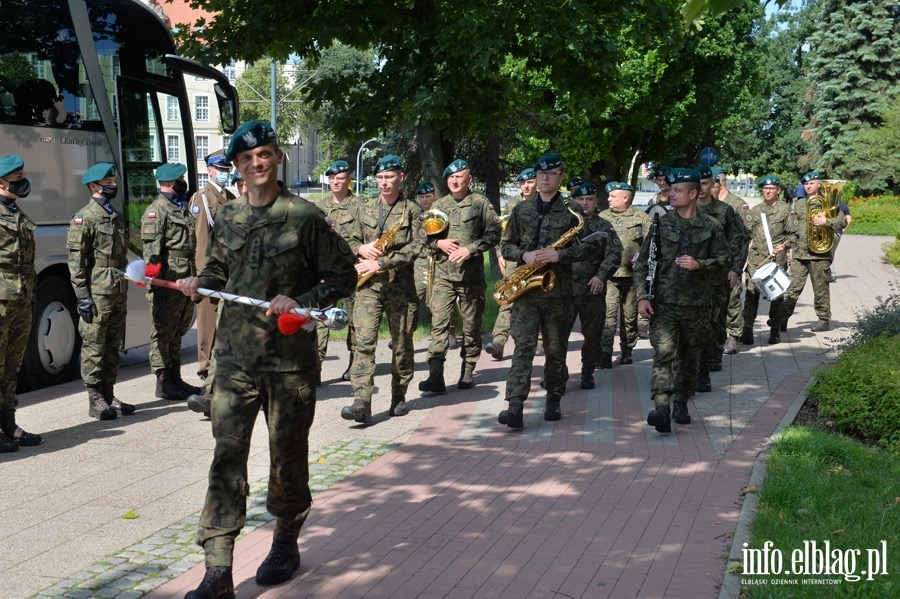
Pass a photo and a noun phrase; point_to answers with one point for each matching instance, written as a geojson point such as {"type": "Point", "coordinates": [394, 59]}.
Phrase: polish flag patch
{"type": "Point", "coordinates": [78, 221]}
{"type": "Point", "coordinates": [151, 215]}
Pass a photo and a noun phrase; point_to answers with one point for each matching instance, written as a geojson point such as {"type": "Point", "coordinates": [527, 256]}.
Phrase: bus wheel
{"type": "Point", "coordinates": [54, 344]}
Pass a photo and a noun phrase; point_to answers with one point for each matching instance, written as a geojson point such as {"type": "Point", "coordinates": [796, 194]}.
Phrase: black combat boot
{"type": "Point", "coordinates": [659, 419]}
{"type": "Point", "coordinates": [281, 562]}
{"type": "Point", "coordinates": [7, 445]}
{"type": "Point", "coordinates": [605, 361]}
{"type": "Point", "coordinates": [681, 415]}
{"type": "Point", "coordinates": [747, 337]}
{"type": "Point", "coordinates": [398, 406]}
{"type": "Point", "coordinates": [774, 335]}
{"type": "Point", "coordinates": [552, 412]}
{"type": "Point", "coordinates": [217, 584]}
{"type": "Point", "coordinates": [512, 416]}
{"type": "Point", "coordinates": [625, 359]}
{"type": "Point", "coordinates": [587, 379]}
{"type": "Point", "coordinates": [360, 411]}
{"type": "Point", "coordinates": [435, 381]}
{"type": "Point", "coordinates": [466, 378]}
{"type": "Point", "coordinates": [121, 408]}
{"type": "Point", "coordinates": [704, 384]}
{"type": "Point", "coordinates": [97, 406]}
{"type": "Point", "coordinates": [167, 388]}
{"type": "Point", "coordinates": [346, 375]}
{"type": "Point", "coordinates": [175, 371]}
{"type": "Point", "coordinates": [14, 432]}
{"type": "Point", "coordinates": [201, 402]}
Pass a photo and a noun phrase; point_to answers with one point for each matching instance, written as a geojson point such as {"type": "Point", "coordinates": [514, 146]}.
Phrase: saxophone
{"type": "Point", "coordinates": [381, 244]}
{"type": "Point", "coordinates": [525, 277]}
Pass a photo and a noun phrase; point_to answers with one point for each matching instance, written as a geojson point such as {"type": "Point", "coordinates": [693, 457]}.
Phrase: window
{"type": "Point", "coordinates": [202, 179]}
{"type": "Point", "coordinates": [173, 148]}
{"type": "Point", "coordinates": [231, 71]}
{"type": "Point", "coordinates": [201, 108]}
{"type": "Point", "coordinates": [172, 112]}
{"type": "Point", "coordinates": [202, 143]}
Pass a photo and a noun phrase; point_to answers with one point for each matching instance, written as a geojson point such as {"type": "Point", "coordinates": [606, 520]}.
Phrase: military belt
{"type": "Point", "coordinates": [104, 263]}
{"type": "Point", "coordinates": [18, 269]}
{"type": "Point", "coordinates": [179, 254]}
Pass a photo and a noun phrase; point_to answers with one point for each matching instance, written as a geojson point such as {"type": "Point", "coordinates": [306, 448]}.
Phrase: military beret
{"type": "Point", "coordinates": [11, 164]}
{"type": "Point", "coordinates": [574, 182]}
{"type": "Point", "coordinates": [659, 171]}
{"type": "Point", "coordinates": [251, 134]}
{"type": "Point", "coordinates": [236, 176]}
{"type": "Point", "coordinates": [769, 180]}
{"type": "Point", "coordinates": [548, 161]}
{"type": "Point", "coordinates": [718, 170]}
{"type": "Point", "coordinates": [682, 175]}
{"type": "Point", "coordinates": [618, 185]}
{"type": "Point", "coordinates": [585, 189]}
{"type": "Point", "coordinates": [388, 163]}
{"type": "Point", "coordinates": [704, 171]}
{"type": "Point", "coordinates": [810, 176]}
{"type": "Point", "coordinates": [454, 167]}
{"type": "Point", "coordinates": [338, 166]}
{"type": "Point", "coordinates": [98, 172]}
{"type": "Point", "coordinates": [424, 188]}
{"type": "Point", "coordinates": [170, 171]}
{"type": "Point", "coordinates": [527, 175]}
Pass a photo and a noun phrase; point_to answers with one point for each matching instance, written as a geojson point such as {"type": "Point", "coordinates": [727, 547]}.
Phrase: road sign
{"type": "Point", "coordinates": [708, 156]}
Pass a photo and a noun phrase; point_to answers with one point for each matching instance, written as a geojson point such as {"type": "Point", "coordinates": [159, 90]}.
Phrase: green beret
{"type": "Point", "coordinates": [338, 166]}
{"type": "Point", "coordinates": [527, 175]}
{"type": "Point", "coordinates": [251, 134]}
{"type": "Point", "coordinates": [98, 172]}
{"type": "Point", "coordinates": [549, 161]}
{"type": "Point", "coordinates": [585, 189]}
{"type": "Point", "coordinates": [769, 180]}
{"type": "Point", "coordinates": [718, 170]}
{"type": "Point", "coordinates": [170, 171]}
{"type": "Point", "coordinates": [659, 171]}
{"type": "Point", "coordinates": [682, 175]}
{"type": "Point", "coordinates": [618, 186]}
{"type": "Point", "coordinates": [424, 188]}
{"type": "Point", "coordinates": [236, 176]}
{"type": "Point", "coordinates": [574, 182]}
{"type": "Point", "coordinates": [704, 171]}
{"type": "Point", "coordinates": [810, 176]}
{"type": "Point", "coordinates": [454, 167]}
{"type": "Point", "coordinates": [388, 163]}
{"type": "Point", "coordinates": [11, 164]}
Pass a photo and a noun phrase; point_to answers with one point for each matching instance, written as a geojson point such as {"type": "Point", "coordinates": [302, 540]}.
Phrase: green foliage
{"type": "Point", "coordinates": [15, 68]}
{"type": "Point", "coordinates": [877, 148]}
{"type": "Point", "coordinates": [892, 252]}
{"type": "Point", "coordinates": [254, 88]}
{"type": "Point", "coordinates": [882, 320]}
{"type": "Point", "coordinates": [877, 215]}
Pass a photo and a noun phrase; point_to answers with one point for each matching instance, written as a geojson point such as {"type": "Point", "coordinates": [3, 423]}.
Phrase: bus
{"type": "Point", "coordinates": [82, 82]}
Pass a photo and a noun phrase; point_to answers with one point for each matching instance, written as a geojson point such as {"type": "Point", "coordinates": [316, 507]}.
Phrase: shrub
{"type": "Point", "coordinates": [882, 320]}
{"type": "Point", "coordinates": [892, 252]}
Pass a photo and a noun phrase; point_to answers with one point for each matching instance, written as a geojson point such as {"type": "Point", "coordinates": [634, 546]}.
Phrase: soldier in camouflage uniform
{"type": "Point", "coordinates": [738, 238]}
{"type": "Point", "coordinates": [167, 232]}
{"type": "Point", "coordinates": [273, 245]}
{"type": "Point", "coordinates": [783, 236]}
{"type": "Point", "coordinates": [692, 252]}
{"type": "Point", "coordinates": [340, 207]}
{"type": "Point", "coordinates": [459, 275]}
{"type": "Point", "coordinates": [632, 227]}
{"type": "Point", "coordinates": [396, 220]}
{"type": "Point", "coordinates": [16, 296]}
{"type": "Point", "coordinates": [527, 181]}
{"type": "Point", "coordinates": [98, 244]}
{"type": "Point", "coordinates": [532, 229]}
{"type": "Point", "coordinates": [805, 262]}
{"type": "Point", "coordinates": [589, 278]}
{"type": "Point", "coordinates": [658, 174]}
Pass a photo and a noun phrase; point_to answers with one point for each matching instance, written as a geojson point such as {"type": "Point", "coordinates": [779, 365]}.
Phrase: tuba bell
{"type": "Point", "coordinates": [434, 221]}
{"type": "Point", "coordinates": [820, 240]}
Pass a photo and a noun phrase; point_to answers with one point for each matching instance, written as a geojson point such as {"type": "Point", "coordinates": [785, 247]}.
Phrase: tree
{"type": "Point", "coordinates": [254, 88]}
{"type": "Point", "coordinates": [876, 149]}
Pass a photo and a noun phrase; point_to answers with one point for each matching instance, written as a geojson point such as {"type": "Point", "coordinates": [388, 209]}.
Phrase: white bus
{"type": "Point", "coordinates": [81, 82]}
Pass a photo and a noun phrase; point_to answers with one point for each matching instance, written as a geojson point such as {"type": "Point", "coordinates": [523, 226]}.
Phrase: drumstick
{"type": "Point", "coordinates": [765, 224]}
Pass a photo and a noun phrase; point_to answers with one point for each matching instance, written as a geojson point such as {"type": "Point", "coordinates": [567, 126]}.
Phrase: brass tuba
{"type": "Point", "coordinates": [820, 240]}
{"type": "Point", "coordinates": [434, 221]}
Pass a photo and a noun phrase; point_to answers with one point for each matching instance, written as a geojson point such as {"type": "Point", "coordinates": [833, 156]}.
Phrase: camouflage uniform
{"type": "Point", "coordinates": [167, 230]}
{"type": "Point", "coordinates": [204, 205]}
{"type": "Point", "coordinates": [501, 324]}
{"type": "Point", "coordinates": [806, 263]}
{"type": "Point", "coordinates": [474, 224]}
{"type": "Point", "coordinates": [420, 275]}
{"type": "Point", "coordinates": [98, 243]}
{"type": "Point", "coordinates": [632, 227]}
{"type": "Point", "coordinates": [387, 292]}
{"type": "Point", "coordinates": [285, 249]}
{"type": "Point", "coordinates": [549, 314]}
{"type": "Point", "coordinates": [734, 319]}
{"type": "Point", "coordinates": [781, 230]}
{"type": "Point", "coordinates": [680, 323]}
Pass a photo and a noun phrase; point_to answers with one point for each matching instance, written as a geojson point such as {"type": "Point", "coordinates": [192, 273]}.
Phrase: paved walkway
{"type": "Point", "coordinates": [441, 503]}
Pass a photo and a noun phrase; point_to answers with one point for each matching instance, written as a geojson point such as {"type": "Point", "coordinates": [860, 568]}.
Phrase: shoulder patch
{"type": "Point", "coordinates": [151, 215]}
{"type": "Point", "coordinates": [195, 209]}
{"type": "Point", "coordinates": [328, 221]}
{"type": "Point", "coordinates": [78, 221]}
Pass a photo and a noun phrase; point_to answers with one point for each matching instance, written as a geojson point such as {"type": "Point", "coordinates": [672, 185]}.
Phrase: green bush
{"type": "Point", "coordinates": [860, 392]}
{"type": "Point", "coordinates": [882, 320]}
{"type": "Point", "coordinates": [877, 215]}
{"type": "Point", "coordinates": [892, 252]}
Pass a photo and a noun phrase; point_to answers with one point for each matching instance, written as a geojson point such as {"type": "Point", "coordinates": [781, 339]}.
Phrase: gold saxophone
{"type": "Point", "coordinates": [525, 277]}
{"type": "Point", "coordinates": [820, 240]}
{"type": "Point", "coordinates": [381, 244]}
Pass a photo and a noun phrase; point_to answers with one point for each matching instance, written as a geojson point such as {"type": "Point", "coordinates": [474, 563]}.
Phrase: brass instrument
{"type": "Point", "coordinates": [503, 221]}
{"type": "Point", "coordinates": [820, 240]}
{"type": "Point", "coordinates": [381, 244]}
{"type": "Point", "coordinates": [434, 221]}
{"type": "Point", "coordinates": [525, 277]}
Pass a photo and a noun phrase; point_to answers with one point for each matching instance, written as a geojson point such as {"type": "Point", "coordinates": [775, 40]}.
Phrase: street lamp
{"type": "Point", "coordinates": [299, 182]}
{"type": "Point", "coordinates": [359, 164]}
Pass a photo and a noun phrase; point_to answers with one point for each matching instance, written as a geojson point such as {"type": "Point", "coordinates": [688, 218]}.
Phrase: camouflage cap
{"type": "Point", "coordinates": [585, 189]}
{"type": "Point", "coordinates": [390, 162]}
{"type": "Point", "coordinates": [682, 175]}
{"type": "Point", "coordinates": [704, 171]}
{"type": "Point", "coordinates": [810, 176]}
{"type": "Point", "coordinates": [12, 163]}
{"type": "Point", "coordinates": [455, 167]}
{"type": "Point", "coordinates": [170, 171]}
{"type": "Point", "coordinates": [549, 161]}
{"type": "Point", "coordinates": [425, 188]}
{"type": "Point", "coordinates": [251, 134]}
{"type": "Point", "coordinates": [769, 180]}
{"type": "Point", "coordinates": [98, 172]}
{"type": "Point", "coordinates": [338, 166]}
{"type": "Point", "coordinates": [527, 175]}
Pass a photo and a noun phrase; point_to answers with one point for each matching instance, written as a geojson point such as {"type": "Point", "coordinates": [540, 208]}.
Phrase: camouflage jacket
{"type": "Point", "coordinates": [736, 202]}
{"type": "Point", "coordinates": [523, 223]}
{"type": "Point", "coordinates": [801, 248]}
{"type": "Point", "coordinates": [342, 215]}
{"type": "Point", "coordinates": [701, 237]}
{"type": "Point", "coordinates": [98, 249]}
{"type": "Point", "coordinates": [287, 249]}
{"type": "Point", "coordinates": [16, 255]}
{"type": "Point", "coordinates": [474, 225]}
{"type": "Point", "coordinates": [404, 247]}
{"type": "Point", "coordinates": [781, 229]}
{"type": "Point", "coordinates": [168, 235]}
{"type": "Point", "coordinates": [736, 234]}
{"type": "Point", "coordinates": [632, 226]}
{"type": "Point", "coordinates": [604, 258]}
{"type": "Point", "coordinates": [204, 213]}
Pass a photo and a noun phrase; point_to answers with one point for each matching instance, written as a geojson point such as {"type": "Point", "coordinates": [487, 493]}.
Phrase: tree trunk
{"type": "Point", "coordinates": [492, 187]}
{"type": "Point", "coordinates": [431, 155]}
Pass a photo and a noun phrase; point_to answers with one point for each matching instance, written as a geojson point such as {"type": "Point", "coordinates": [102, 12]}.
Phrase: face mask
{"type": "Point", "coordinates": [109, 191]}
{"type": "Point", "coordinates": [21, 188]}
{"type": "Point", "coordinates": [222, 178]}
{"type": "Point", "coordinates": [180, 187]}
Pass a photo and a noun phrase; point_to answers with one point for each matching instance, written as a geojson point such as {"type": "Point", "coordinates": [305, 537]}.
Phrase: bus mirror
{"type": "Point", "coordinates": [226, 109]}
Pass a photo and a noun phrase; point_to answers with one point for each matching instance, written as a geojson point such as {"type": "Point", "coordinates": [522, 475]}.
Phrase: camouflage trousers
{"type": "Point", "coordinates": [734, 320]}
{"type": "Point", "coordinates": [207, 319]}
{"type": "Point", "coordinates": [171, 312]}
{"type": "Point", "coordinates": [102, 339]}
{"type": "Point", "coordinates": [621, 308]}
{"type": "Point", "coordinates": [819, 272]}
{"type": "Point", "coordinates": [751, 307]}
{"type": "Point", "coordinates": [711, 353]}
{"type": "Point", "coordinates": [677, 333]}
{"type": "Point", "coordinates": [15, 326]}
{"type": "Point", "coordinates": [323, 332]}
{"type": "Point", "coordinates": [288, 401]}
{"type": "Point", "coordinates": [591, 311]}
{"type": "Point", "coordinates": [551, 317]}
{"type": "Point", "coordinates": [367, 310]}
{"type": "Point", "coordinates": [501, 326]}
{"type": "Point", "coordinates": [446, 297]}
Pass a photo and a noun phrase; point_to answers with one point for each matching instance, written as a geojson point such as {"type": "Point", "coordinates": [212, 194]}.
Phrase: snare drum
{"type": "Point", "coordinates": [771, 280]}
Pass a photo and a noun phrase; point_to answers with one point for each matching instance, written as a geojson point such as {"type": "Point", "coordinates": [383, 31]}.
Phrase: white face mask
{"type": "Point", "coordinates": [222, 177]}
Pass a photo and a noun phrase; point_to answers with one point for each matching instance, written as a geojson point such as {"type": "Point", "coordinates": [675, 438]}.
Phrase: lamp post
{"type": "Point", "coordinates": [298, 144]}
{"type": "Point", "coordinates": [359, 164]}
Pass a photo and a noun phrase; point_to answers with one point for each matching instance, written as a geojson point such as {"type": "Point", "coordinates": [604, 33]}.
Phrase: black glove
{"type": "Point", "coordinates": [87, 309]}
